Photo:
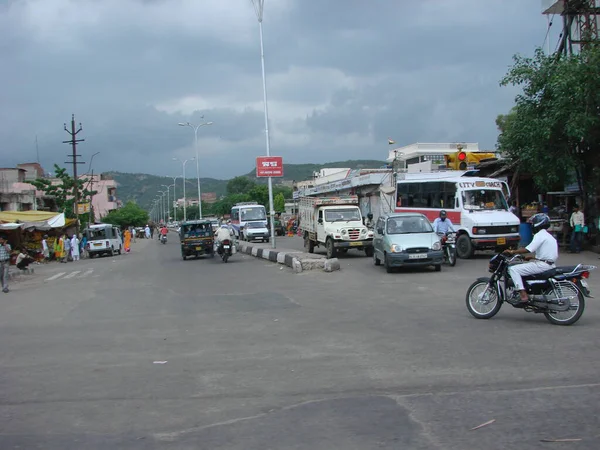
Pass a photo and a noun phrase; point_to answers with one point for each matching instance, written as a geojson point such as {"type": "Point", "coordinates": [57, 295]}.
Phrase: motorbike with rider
{"type": "Point", "coordinates": [224, 240]}
{"type": "Point", "coordinates": [444, 228]}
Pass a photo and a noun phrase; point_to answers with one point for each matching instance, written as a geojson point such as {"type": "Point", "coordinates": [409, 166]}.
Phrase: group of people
{"type": "Point", "coordinates": [66, 248]}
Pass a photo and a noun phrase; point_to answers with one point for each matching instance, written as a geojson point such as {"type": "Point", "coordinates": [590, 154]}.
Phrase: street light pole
{"type": "Point", "coordinates": [195, 128]}
{"type": "Point", "coordinates": [168, 207]}
{"type": "Point", "coordinates": [162, 202]}
{"type": "Point", "coordinates": [183, 163]}
{"type": "Point", "coordinates": [259, 6]}
{"type": "Point", "coordinates": [174, 200]}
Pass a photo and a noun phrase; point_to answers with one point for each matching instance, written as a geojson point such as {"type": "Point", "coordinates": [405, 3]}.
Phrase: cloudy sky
{"type": "Point", "coordinates": [342, 75]}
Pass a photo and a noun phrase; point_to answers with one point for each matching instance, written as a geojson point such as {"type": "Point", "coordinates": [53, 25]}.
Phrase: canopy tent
{"type": "Point", "coordinates": [33, 219]}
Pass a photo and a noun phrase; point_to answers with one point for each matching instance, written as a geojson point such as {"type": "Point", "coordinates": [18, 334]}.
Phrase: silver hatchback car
{"type": "Point", "coordinates": [406, 239]}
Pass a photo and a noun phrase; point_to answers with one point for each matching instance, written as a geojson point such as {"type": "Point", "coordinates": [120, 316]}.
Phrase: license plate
{"type": "Point", "coordinates": [198, 248]}
{"type": "Point", "coordinates": [584, 283]}
{"type": "Point", "coordinates": [97, 245]}
{"type": "Point", "coordinates": [417, 256]}
{"type": "Point", "coordinates": [355, 244]}
{"type": "Point", "coordinates": [501, 241]}
{"type": "Point", "coordinates": [226, 246]}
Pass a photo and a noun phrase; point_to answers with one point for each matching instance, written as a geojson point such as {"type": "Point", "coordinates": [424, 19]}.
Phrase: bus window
{"type": "Point", "coordinates": [235, 214]}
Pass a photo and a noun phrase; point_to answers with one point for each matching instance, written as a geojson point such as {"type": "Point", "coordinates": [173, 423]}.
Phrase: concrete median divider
{"type": "Point", "coordinates": [298, 261]}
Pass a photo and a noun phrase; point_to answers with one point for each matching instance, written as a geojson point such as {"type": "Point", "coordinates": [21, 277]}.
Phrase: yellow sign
{"type": "Point", "coordinates": [83, 208]}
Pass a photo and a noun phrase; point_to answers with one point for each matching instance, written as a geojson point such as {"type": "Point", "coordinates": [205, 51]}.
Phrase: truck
{"type": "Point", "coordinates": [334, 222]}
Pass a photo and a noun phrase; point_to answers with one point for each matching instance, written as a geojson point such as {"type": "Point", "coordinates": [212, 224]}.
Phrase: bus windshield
{"type": "Point", "coordinates": [484, 200]}
{"type": "Point", "coordinates": [253, 213]}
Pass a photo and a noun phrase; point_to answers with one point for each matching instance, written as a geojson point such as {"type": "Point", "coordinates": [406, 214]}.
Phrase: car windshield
{"type": "Point", "coordinates": [96, 233]}
{"type": "Point", "coordinates": [197, 229]}
{"type": "Point", "coordinates": [404, 225]}
{"type": "Point", "coordinates": [484, 200]}
{"type": "Point", "coordinates": [338, 215]}
{"type": "Point", "coordinates": [255, 225]}
{"type": "Point", "coordinates": [253, 213]}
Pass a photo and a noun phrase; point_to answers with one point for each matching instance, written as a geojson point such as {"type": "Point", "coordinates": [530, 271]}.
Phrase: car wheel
{"type": "Point", "coordinates": [376, 259]}
{"type": "Point", "coordinates": [386, 264]}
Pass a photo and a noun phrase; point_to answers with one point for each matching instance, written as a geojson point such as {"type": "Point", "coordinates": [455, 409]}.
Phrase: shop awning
{"type": "Point", "coordinates": [10, 226]}
{"type": "Point", "coordinates": [33, 219]}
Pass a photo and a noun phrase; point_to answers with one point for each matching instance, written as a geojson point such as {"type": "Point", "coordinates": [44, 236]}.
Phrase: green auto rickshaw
{"type": "Point", "coordinates": [197, 238]}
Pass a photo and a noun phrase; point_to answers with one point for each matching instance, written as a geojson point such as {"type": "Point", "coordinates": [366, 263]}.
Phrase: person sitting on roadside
{"type": "Point", "coordinates": [23, 259]}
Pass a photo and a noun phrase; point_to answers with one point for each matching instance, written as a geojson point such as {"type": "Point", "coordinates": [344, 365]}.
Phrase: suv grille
{"type": "Point", "coordinates": [354, 234]}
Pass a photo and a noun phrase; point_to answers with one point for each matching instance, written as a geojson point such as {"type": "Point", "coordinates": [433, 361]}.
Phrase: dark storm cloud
{"type": "Point", "coordinates": [342, 76]}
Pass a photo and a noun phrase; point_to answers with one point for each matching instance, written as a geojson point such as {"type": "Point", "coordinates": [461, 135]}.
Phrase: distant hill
{"type": "Point", "coordinates": [143, 188]}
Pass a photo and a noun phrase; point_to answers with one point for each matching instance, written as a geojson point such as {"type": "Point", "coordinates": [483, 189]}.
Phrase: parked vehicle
{"type": "Point", "coordinates": [476, 206]}
{"type": "Point", "coordinates": [225, 249]}
{"type": "Point", "coordinates": [336, 223]}
{"type": "Point", "coordinates": [103, 239]}
{"type": "Point", "coordinates": [406, 239]}
{"type": "Point", "coordinates": [257, 231]}
{"type": "Point", "coordinates": [244, 212]}
{"type": "Point", "coordinates": [197, 238]}
{"type": "Point", "coordinates": [551, 293]}
{"type": "Point", "coordinates": [448, 241]}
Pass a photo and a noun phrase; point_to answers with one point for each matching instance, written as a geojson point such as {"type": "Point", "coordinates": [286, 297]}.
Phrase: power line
{"type": "Point", "coordinates": [73, 142]}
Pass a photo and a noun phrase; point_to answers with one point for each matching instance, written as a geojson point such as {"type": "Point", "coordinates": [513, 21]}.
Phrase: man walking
{"type": "Point", "coordinates": [75, 248]}
{"type": "Point", "coordinates": [577, 223]}
{"type": "Point", "coordinates": [4, 262]}
{"type": "Point", "coordinates": [67, 244]}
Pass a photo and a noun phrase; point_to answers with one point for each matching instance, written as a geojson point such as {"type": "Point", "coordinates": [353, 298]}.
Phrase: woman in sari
{"type": "Point", "coordinates": [127, 240]}
{"type": "Point", "coordinates": [59, 248]}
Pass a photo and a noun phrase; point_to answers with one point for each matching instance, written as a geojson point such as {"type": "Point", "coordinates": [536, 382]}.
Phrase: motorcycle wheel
{"type": "Point", "coordinates": [477, 290]}
{"type": "Point", "coordinates": [451, 254]}
{"type": "Point", "coordinates": [225, 257]}
{"type": "Point", "coordinates": [575, 311]}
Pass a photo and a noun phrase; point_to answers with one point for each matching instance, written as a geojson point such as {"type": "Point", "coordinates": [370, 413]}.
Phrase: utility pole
{"type": "Point", "coordinates": [74, 141]}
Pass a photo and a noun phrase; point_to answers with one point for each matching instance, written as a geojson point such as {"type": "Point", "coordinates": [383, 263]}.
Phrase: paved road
{"type": "Point", "coordinates": [259, 357]}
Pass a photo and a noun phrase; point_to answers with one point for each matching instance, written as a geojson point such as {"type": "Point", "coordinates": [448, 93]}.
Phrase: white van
{"type": "Point", "coordinates": [103, 239]}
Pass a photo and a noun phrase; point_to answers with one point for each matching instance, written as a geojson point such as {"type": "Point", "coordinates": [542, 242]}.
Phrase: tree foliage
{"type": "Point", "coordinates": [64, 192]}
{"type": "Point", "coordinates": [129, 215]}
{"type": "Point", "coordinates": [240, 185]}
{"type": "Point", "coordinates": [553, 131]}
{"type": "Point", "coordinates": [279, 203]}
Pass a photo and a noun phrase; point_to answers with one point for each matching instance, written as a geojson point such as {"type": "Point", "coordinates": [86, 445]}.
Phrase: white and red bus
{"type": "Point", "coordinates": [476, 206]}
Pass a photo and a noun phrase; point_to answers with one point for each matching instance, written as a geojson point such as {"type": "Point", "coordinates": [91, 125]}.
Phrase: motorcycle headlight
{"type": "Point", "coordinates": [395, 248]}
{"type": "Point", "coordinates": [436, 246]}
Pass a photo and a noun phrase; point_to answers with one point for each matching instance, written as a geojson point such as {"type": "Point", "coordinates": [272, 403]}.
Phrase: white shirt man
{"type": "Point", "coordinates": [147, 231]}
{"type": "Point", "coordinates": [224, 233]}
{"type": "Point", "coordinates": [545, 248]}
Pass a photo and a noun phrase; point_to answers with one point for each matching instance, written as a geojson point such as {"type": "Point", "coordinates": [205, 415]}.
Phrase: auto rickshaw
{"type": "Point", "coordinates": [197, 238]}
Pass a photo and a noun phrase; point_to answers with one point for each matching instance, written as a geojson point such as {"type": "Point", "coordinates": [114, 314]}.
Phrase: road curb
{"type": "Point", "coordinates": [295, 260]}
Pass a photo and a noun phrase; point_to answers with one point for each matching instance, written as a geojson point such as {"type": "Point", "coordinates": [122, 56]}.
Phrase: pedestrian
{"type": "Point", "coordinates": [127, 240]}
{"type": "Point", "coordinates": [133, 234]}
{"type": "Point", "coordinates": [23, 259]}
{"type": "Point", "coordinates": [4, 262]}
{"type": "Point", "coordinates": [59, 248]}
{"type": "Point", "coordinates": [45, 248]}
{"type": "Point", "coordinates": [83, 249]}
{"type": "Point", "coordinates": [75, 247]}
{"type": "Point", "coordinates": [577, 223]}
{"type": "Point", "coordinates": [151, 229]}
{"type": "Point", "coordinates": [67, 248]}
{"type": "Point", "coordinates": [148, 232]}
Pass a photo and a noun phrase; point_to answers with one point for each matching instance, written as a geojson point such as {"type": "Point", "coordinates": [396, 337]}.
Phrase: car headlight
{"type": "Point", "coordinates": [344, 231]}
{"type": "Point", "coordinates": [395, 248]}
{"type": "Point", "coordinates": [363, 231]}
{"type": "Point", "coordinates": [436, 246]}
{"type": "Point", "coordinates": [514, 229]}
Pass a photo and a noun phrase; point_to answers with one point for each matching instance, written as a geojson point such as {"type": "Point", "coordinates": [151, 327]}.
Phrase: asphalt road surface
{"type": "Point", "coordinates": [147, 351]}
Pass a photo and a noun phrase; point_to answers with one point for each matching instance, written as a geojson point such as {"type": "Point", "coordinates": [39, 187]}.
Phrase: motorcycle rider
{"type": "Point", "coordinates": [543, 253]}
{"type": "Point", "coordinates": [163, 232]}
{"type": "Point", "coordinates": [369, 222]}
{"type": "Point", "coordinates": [442, 225]}
{"type": "Point", "coordinates": [224, 233]}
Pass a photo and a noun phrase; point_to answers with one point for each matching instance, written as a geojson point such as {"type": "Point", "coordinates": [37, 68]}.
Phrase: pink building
{"type": "Point", "coordinates": [105, 199]}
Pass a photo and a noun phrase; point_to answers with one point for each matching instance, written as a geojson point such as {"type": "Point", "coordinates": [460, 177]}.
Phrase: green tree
{"type": "Point", "coordinates": [279, 203]}
{"type": "Point", "coordinates": [553, 131]}
{"type": "Point", "coordinates": [129, 215]}
{"type": "Point", "coordinates": [240, 185]}
{"type": "Point", "coordinates": [64, 192]}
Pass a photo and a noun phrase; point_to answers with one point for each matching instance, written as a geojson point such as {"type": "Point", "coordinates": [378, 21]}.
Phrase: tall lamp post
{"type": "Point", "coordinates": [162, 202]}
{"type": "Point", "coordinates": [183, 163]}
{"type": "Point", "coordinates": [195, 128]}
{"type": "Point", "coordinates": [174, 200]}
{"type": "Point", "coordinates": [168, 208]}
{"type": "Point", "coordinates": [259, 6]}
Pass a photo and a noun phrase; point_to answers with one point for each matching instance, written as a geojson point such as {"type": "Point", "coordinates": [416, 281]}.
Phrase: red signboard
{"type": "Point", "coordinates": [269, 166]}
